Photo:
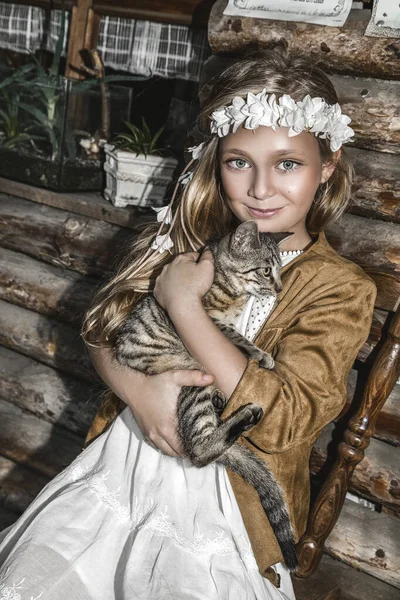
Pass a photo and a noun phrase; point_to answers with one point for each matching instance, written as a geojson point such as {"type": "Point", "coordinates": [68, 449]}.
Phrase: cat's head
{"type": "Point", "coordinates": [251, 259]}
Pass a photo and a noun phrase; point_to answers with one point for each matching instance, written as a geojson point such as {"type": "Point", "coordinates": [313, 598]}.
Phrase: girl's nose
{"type": "Point", "coordinates": [262, 187]}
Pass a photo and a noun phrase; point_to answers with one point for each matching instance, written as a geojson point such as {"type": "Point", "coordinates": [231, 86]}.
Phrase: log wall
{"type": "Point", "coordinates": [56, 248]}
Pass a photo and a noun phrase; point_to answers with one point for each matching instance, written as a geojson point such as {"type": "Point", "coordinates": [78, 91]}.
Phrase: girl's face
{"type": "Point", "coordinates": [272, 179]}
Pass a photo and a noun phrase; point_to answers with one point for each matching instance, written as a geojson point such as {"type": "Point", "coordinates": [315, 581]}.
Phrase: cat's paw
{"type": "Point", "coordinates": [218, 400]}
{"type": "Point", "coordinates": [253, 414]}
{"type": "Point", "coordinates": [266, 361]}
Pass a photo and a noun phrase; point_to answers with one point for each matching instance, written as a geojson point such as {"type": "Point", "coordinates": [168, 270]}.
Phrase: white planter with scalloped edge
{"type": "Point", "coordinates": [136, 179]}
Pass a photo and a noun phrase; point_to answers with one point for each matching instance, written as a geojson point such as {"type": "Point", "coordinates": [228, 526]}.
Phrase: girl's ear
{"type": "Point", "coordinates": [330, 166]}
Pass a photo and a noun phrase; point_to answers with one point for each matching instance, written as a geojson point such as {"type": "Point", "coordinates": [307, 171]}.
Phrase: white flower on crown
{"type": "Point", "coordinates": [309, 114]}
{"type": "Point", "coordinates": [197, 151]}
{"type": "Point", "coordinates": [164, 211]}
{"type": "Point", "coordinates": [162, 243]}
{"type": "Point", "coordinates": [185, 178]}
{"type": "Point", "coordinates": [221, 122]}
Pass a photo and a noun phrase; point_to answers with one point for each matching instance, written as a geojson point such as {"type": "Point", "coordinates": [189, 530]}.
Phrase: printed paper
{"type": "Point", "coordinates": [385, 19]}
{"type": "Point", "coordinates": [320, 12]}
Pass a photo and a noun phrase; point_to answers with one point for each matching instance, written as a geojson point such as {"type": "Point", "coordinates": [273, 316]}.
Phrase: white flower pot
{"type": "Point", "coordinates": [136, 179]}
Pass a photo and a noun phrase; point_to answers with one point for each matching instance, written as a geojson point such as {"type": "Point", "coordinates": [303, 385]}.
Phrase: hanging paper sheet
{"type": "Point", "coordinates": [320, 12]}
{"type": "Point", "coordinates": [385, 19]}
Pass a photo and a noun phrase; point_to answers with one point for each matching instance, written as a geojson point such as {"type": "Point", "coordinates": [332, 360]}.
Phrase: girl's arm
{"type": "Point", "coordinates": [179, 289]}
{"type": "Point", "coordinates": [152, 400]}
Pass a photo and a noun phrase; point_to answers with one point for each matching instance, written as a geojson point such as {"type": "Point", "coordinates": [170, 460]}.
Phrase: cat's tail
{"type": "Point", "coordinates": [254, 471]}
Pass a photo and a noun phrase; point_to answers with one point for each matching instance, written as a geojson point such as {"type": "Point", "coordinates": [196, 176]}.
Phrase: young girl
{"type": "Point", "coordinates": [130, 518]}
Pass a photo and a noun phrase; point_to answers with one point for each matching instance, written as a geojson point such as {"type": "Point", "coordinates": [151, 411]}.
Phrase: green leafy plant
{"type": "Point", "coordinates": [32, 100]}
{"type": "Point", "coordinates": [140, 140]}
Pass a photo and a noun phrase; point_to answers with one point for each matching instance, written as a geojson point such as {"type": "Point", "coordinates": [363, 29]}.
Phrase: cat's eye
{"type": "Point", "coordinates": [266, 272]}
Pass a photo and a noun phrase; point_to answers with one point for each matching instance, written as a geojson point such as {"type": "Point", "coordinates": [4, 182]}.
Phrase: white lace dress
{"type": "Point", "coordinates": [126, 522]}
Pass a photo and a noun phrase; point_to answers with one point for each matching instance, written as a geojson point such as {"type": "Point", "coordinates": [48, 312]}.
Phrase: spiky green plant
{"type": "Point", "coordinates": [140, 140]}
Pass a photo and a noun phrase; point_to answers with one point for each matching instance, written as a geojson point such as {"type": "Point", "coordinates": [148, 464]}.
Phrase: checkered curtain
{"type": "Point", "coordinates": [139, 47]}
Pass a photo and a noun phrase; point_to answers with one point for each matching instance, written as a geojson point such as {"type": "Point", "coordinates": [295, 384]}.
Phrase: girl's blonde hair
{"type": "Point", "coordinates": [201, 212]}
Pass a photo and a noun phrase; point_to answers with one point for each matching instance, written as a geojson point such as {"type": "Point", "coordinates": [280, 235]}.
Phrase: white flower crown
{"type": "Point", "coordinates": [310, 114]}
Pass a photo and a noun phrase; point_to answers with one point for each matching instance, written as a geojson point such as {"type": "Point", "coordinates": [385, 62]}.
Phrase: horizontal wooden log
{"type": "Point", "coordinates": [376, 477]}
{"type": "Point", "coordinates": [376, 189]}
{"type": "Point", "coordinates": [87, 204]}
{"type": "Point", "coordinates": [44, 339]}
{"type": "Point", "coordinates": [374, 109]}
{"type": "Point", "coordinates": [373, 106]}
{"type": "Point", "coordinates": [388, 422]}
{"type": "Point", "coordinates": [367, 242]}
{"type": "Point", "coordinates": [59, 237]}
{"type": "Point", "coordinates": [48, 393]}
{"type": "Point", "coordinates": [19, 485]}
{"type": "Point", "coordinates": [353, 584]}
{"type": "Point", "coordinates": [367, 540]}
{"type": "Point", "coordinates": [344, 50]}
{"type": "Point", "coordinates": [43, 288]}
{"type": "Point", "coordinates": [35, 443]}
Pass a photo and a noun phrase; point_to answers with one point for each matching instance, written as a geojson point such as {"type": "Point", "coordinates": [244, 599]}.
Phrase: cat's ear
{"type": "Point", "coordinates": [279, 237]}
{"type": "Point", "coordinates": [245, 235]}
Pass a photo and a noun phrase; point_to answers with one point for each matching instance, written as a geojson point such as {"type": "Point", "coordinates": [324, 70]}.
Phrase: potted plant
{"type": "Point", "coordinates": [136, 171]}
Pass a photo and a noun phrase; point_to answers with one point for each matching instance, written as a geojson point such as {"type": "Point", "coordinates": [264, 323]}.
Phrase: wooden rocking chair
{"type": "Point", "coordinates": [384, 370]}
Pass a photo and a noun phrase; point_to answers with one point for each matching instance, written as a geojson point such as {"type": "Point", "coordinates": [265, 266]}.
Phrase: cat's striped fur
{"type": "Point", "coordinates": [246, 262]}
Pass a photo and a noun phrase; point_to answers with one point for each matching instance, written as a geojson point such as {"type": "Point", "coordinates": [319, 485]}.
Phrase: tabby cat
{"type": "Point", "coordinates": [245, 262]}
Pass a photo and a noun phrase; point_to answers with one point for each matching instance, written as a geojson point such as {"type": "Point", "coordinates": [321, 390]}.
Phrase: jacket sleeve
{"type": "Point", "coordinates": [313, 356]}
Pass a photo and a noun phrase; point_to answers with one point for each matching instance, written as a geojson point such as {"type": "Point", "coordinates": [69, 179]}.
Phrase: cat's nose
{"type": "Point", "coordinates": [278, 288]}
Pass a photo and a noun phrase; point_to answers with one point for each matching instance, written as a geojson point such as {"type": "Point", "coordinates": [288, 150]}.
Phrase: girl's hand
{"type": "Point", "coordinates": [185, 280]}
{"type": "Point", "coordinates": [152, 400]}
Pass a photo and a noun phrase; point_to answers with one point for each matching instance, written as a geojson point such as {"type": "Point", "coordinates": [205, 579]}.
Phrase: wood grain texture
{"type": "Point", "coordinates": [19, 485]}
{"type": "Point", "coordinates": [368, 242]}
{"type": "Point", "coordinates": [374, 108]}
{"type": "Point", "coordinates": [343, 50]}
{"type": "Point", "coordinates": [43, 288]}
{"type": "Point", "coordinates": [376, 189]}
{"type": "Point", "coordinates": [44, 339]}
{"type": "Point", "coordinates": [387, 426]}
{"type": "Point", "coordinates": [353, 584]}
{"type": "Point", "coordinates": [61, 238]}
{"type": "Point", "coordinates": [367, 540]}
{"type": "Point", "coordinates": [183, 12]}
{"type": "Point", "coordinates": [87, 204]}
{"type": "Point", "coordinates": [48, 393]}
{"type": "Point", "coordinates": [376, 477]}
{"type": "Point", "coordinates": [39, 444]}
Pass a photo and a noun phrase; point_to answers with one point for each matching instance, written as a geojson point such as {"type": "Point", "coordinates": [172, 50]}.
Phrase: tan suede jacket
{"type": "Point", "coordinates": [321, 320]}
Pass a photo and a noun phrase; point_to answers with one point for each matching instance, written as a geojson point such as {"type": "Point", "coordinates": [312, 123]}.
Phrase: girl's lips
{"type": "Point", "coordinates": [256, 212]}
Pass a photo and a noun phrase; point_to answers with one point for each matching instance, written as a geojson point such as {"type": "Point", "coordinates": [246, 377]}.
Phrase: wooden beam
{"type": "Point", "coordinates": [19, 485]}
{"type": "Point", "coordinates": [46, 340]}
{"type": "Point", "coordinates": [367, 540]}
{"type": "Point", "coordinates": [344, 50]}
{"type": "Point", "coordinates": [38, 445]}
{"type": "Point", "coordinates": [353, 584]}
{"type": "Point", "coordinates": [367, 242]}
{"type": "Point", "coordinates": [77, 37]}
{"type": "Point", "coordinates": [180, 12]}
{"type": "Point", "coordinates": [48, 393]}
{"type": "Point", "coordinates": [87, 204]}
{"type": "Point", "coordinates": [376, 189]}
{"type": "Point", "coordinates": [43, 288]}
{"type": "Point", "coordinates": [60, 237]}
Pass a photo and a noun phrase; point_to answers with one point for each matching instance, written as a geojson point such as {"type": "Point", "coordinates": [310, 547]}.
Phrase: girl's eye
{"type": "Point", "coordinates": [289, 165]}
{"type": "Point", "coordinates": [238, 163]}
{"type": "Point", "coordinates": [266, 272]}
